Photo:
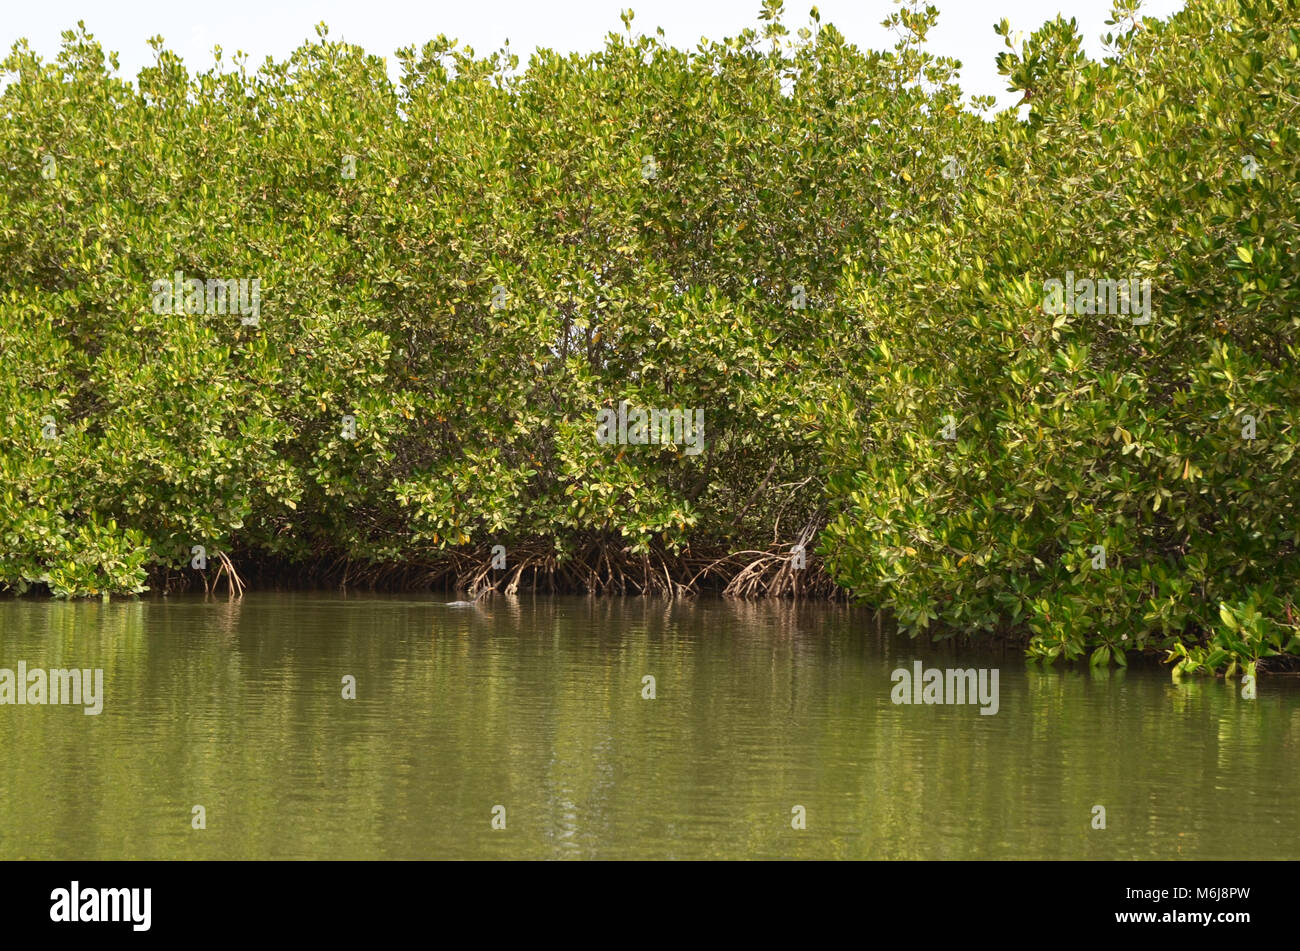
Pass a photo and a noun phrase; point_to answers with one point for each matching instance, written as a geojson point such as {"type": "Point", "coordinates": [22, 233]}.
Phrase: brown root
{"type": "Point", "coordinates": [596, 566]}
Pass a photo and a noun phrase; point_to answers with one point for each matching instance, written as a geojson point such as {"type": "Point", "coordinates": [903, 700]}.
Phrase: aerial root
{"type": "Point", "coordinates": [234, 583]}
{"type": "Point", "coordinates": [596, 566]}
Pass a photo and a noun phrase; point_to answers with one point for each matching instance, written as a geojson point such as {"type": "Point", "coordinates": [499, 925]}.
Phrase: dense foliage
{"type": "Point", "coordinates": [819, 247]}
{"type": "Point", "coordinates": [1110, 480]}
{"type": "Point", "coordinates": [517, 250]}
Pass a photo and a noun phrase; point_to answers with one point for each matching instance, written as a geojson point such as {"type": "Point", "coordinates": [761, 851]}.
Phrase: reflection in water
{"type": "Point", "coordinates": [536, 704]}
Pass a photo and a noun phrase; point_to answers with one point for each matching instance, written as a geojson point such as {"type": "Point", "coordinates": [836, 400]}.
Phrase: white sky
{"type": "Point", "coordinates": [275, 27]}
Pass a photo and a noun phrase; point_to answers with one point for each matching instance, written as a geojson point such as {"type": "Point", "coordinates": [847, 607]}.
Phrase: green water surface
{"type": "Point", "coordinates": [536, 705]}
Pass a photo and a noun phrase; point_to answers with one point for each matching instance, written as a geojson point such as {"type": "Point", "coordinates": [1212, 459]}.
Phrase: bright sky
{"type": "Point", "coordinates": [275, 27]}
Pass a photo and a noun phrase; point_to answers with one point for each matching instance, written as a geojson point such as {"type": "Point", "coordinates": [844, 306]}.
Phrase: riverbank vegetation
{"type": "Point", "coordinates": [825, 249]}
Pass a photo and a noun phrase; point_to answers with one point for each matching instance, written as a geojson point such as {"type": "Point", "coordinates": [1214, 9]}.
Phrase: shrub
{"type": "Point", "coordinates": [1172, 161]}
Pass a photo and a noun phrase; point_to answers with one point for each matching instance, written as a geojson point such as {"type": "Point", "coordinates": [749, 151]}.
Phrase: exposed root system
{"type": "Point", "coordinates": [597, 567]}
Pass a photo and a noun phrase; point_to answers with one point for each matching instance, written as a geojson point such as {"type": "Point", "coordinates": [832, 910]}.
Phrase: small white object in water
{"type": "Point", "coordinates": [469, 604]}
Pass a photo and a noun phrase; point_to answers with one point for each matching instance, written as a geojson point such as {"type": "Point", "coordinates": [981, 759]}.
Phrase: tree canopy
{"type": "Point", "coordinates": [846, 269]}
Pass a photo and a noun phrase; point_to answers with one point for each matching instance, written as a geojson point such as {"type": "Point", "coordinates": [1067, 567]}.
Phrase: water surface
{"type": "Point", "coordinates": [536, 705]}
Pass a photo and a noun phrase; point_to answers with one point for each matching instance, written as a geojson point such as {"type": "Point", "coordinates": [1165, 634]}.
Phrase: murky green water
{"type": "Point", "coordinates": [536, 705]}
